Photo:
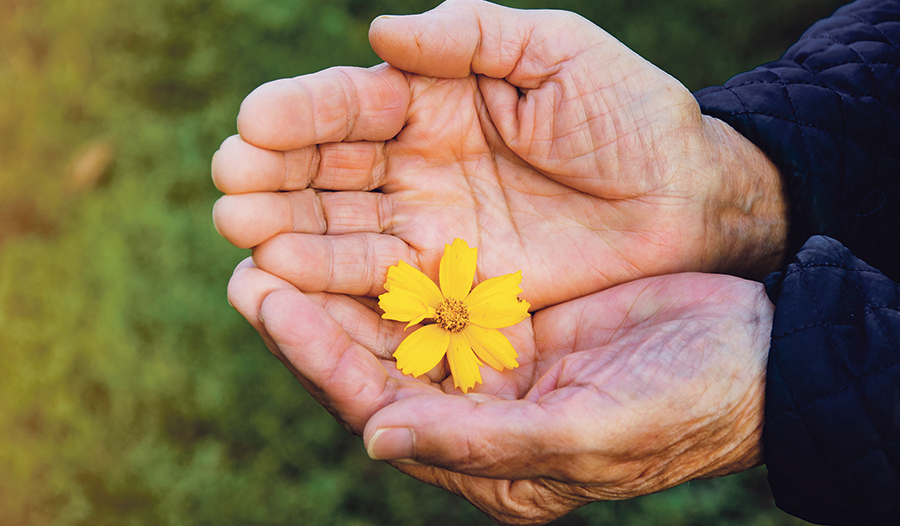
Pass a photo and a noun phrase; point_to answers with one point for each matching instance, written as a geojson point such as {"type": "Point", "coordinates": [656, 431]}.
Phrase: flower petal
{"type": "Point", "coordinates": [463, 363]}
{"type": "Point", "coordinates": [403, 305]}
{"type": "Point", "coordinates": [422, 350]}
{"type": "Point", "coordinates": [494, 304]}
{"type": "Point", "coordinates": [405, 276]}
{"type": "Point", "coordinates": [492, 347]}
{"type": "Point", "coordinates": [457, 269]}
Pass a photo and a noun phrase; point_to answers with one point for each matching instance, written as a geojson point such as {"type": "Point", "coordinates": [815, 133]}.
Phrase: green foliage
{"type": "Point", "coordinates": [130, 392]}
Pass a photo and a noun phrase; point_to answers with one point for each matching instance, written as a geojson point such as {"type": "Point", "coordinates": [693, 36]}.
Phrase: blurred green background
{"type": "Point", "coordinates": [130, 392]}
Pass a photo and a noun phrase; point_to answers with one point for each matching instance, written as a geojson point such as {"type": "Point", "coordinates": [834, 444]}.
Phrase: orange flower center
{"type": "Point", "coordinates": [452, 315]}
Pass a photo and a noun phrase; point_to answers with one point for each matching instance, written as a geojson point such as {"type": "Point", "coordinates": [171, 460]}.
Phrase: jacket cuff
{"type": "Point", "coordinates": [832, 424]}
{"type": "Point", "coordinates": [828, 116]}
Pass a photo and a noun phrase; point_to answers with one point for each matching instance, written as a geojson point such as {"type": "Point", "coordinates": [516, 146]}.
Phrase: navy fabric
{"type": "Point", "coordinates": [828, 115]}
{"type": "Point", "coordinates": [832, 428]}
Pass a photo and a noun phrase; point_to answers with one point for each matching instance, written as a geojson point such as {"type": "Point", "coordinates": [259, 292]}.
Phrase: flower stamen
{"type": "Point", "coordinates": [452, 315]}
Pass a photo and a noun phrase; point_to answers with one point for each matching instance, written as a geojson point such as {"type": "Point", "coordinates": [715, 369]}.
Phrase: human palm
{"type": "Point", "coordinates": [621, 393]}
{"type": "Point", "coordinates": [662, 385]}
{"type": "Point", "coordinates": [556, 151]}
{"type": "Point", "coordinates": [577, 162]}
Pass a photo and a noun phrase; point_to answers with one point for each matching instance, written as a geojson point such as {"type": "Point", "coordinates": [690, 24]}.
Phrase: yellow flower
{"type": "Point", "coordinates": [466, 319]}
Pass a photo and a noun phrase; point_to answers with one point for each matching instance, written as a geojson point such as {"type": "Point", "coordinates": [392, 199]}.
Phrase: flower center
{"type": "Point", "coordinates": [452, 315]}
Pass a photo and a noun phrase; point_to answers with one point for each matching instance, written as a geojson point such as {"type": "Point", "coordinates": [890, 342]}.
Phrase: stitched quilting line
{"type": "Point", "coordinates": [842, 107]}
{"type": "Point", "coordinates": [780, 81]}
{"type": "Point", "coordinates": [805, 422]}
{"type": "Point", "coordinates": [861, 140]}
{"type": "Point", "coordinates": [835, 354]}
{"type": "Point", "coordinates": [840, 133]}
{"type": "Point", "coordinates": [823, 178]}
{"type": "Point", "coordinates": [887, 282]}
{"type": "Point", "coordinates": [875, 26]}
{"type": "Point", "coordinates": [860, 11]}
{"type": "Point", "coordinates": [827, 36]}
{"type": "Point", "coordinates": [842, 181]}
{"type": "Point", "coordinates": [833, 324]}
{"type": "Point", "coordinates": [884, 133]}
{"type": "Point", "coordinates": [872, 77]}
{"type": "Point", "coordinates": [812, 438]}
{"type": "Point", "coordinates": [797, 267]}
{"type": "Point", "coordinates": [742, 84]}
{"type": "Point", "coordinates": [809, 326]}
{"type": "Point", "coordinates": [796, 119]}
{"type": "Point", "coordinates": [843, 96]}
{"type": "Point", "coordinates": [830, 394]}
{"type": "Point", "coordinates": [755, 138]}
{"type": "Point", "coordinates": [872, 311]}
{"type": "Point", "coordinates": [870, 307]}
{"type": "Point", "coordinates": [824, 70]}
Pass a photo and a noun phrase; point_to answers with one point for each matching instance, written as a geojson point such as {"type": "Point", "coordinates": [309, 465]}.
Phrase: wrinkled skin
{"type": "Point", "coordinates": [551, 147]}
{"type": "Point", "coordinates": [555, 150]}
{"type": "Point", "coordinates": [618, 394]}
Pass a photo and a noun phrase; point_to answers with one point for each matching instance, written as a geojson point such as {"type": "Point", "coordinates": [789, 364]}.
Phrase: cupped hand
{"type": "Point", "coordinates": [625, 392]}
{"type": "Point", "coordinates": [533, 135]}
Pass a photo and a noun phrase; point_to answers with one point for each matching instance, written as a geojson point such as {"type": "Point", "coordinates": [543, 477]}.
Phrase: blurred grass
{"type": "Point", "coordinates": [130, 392]}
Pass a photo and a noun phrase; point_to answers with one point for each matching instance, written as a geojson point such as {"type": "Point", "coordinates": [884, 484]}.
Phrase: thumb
{"type": "Point", "coordinates": [460, 37]}
{"type": "Point", "coordinates": [472, 434]}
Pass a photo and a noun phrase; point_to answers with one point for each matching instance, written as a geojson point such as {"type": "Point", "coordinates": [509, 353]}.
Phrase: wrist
{"type": "Point", "coordinates": [747, 219]}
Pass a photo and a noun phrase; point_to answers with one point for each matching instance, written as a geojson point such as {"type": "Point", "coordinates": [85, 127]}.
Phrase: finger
{"type": "Point", "coordinates": [460, 37]}
{"type": "Point", "coordinates": [474, 435]}
{"type": "Point", "coordinates": [345, 376]}
{"type": "Point", "coordinates": [246, 220]}
{"type": "Point", "coordinates": [353, 264]}
{"type": "Point", "coordinates": [338, 104]}
{"type": "Point", "coordinates": [250, 285]}
{"type": "Point", "coordinates": [239, 167]}
{"type": "Point", "coordinates": [362, 324]}
{"type": "Point", "coordinates": [247, 288]}
{"type": "Point", "coordinates": [365, 326]}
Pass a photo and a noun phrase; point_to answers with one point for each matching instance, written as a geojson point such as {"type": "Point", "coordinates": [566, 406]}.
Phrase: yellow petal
{"type": "Point", "coordinates": [494, 304]}
{"type": "Point", "coordinates": [492, 347]}
{"type": "Point", "coordinates": [422, 350]}
{"type": "Point", "coordinates": [463, 363]}
{"type": "Point", "coordinates": [405, 276]}
{"type": "Point", "coordinates": [457, 269]}
{"type": "Point", "coordinates": [403, 305]}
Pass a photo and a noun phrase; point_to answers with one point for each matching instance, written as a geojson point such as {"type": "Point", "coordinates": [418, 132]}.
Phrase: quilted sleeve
{"type": "Point", "coordinates": [828, 115]}
{"type": "Point", "coordinates": [832, 424]}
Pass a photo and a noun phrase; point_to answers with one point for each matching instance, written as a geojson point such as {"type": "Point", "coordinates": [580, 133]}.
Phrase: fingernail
{"type": "Point", "coordinates": [384, 17]}
{"type": "Point", "coordinates": [247, 262]}
{"type": "Point", "coordinates": [392, 443]}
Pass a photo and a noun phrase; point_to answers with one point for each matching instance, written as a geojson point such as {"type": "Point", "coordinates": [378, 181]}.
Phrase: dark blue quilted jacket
{"type": "Point", "coordinates": [828, 115]}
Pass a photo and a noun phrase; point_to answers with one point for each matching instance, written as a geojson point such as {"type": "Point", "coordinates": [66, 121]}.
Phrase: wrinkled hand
{"type": "Point", "coordinates": [621, 393]}
{"type": "Point", "coordinates": [555, 150]}
{"type": "Point", "coordinates": [533, 135]}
